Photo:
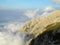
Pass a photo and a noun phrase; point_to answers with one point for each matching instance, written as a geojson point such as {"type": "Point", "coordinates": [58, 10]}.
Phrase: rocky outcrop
{"type": "Point", "coordinates": [38, 25]}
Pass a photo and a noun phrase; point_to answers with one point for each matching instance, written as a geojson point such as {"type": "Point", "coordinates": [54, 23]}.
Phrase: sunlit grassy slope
{"type": "Point", "coordinates": [39, 25]}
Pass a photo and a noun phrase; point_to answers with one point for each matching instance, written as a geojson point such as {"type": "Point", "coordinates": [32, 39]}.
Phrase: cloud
{"type": "Point", "coordinates": [56, 1]}
{"type": "Point", "coordinates": [39, 12]}
{"type": "Point", "coordinates": [13, 26]}
{"type": "Point", "coordinates": [6, 39]}
{"type": "Point", "coordinates": [8, 35]}
{"type": "Point", "coordinates": [31, 13]}
{"type": "Point", "coordinates": [49, 8]}
{"type": "Point", "coordinates": [45, 11]}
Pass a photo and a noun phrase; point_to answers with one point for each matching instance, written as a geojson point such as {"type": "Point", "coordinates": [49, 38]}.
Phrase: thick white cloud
{"type": "Point", "coordinates": [13, 26]}
{"type": "Point", "coordinates": [7, 39]}
{"type": "Point", "coordinates": [31, 13]}
{"type": "Point", "coordinates": [49, 8]}
{"type": "Point", "coordinates": [56, 1]}
{"type": "Point", "coordinates": [8, 35]}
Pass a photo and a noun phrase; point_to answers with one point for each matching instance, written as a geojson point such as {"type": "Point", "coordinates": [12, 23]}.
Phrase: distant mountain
{"type": "Point", "coordinates": [38, 25]}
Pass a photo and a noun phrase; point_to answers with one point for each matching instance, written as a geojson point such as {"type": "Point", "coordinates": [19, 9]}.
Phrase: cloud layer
{"type": "Point", "coordinates": [31, 13]}
{"type": "Point", "coordinates": [10, 34]}
{"type": "Point", "coordinates": [39, 12]}
{"type": "Point", "coordinates": [6, 39]}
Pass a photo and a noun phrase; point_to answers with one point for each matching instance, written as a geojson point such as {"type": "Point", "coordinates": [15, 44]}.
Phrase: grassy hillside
{"type": "Point", "coordinates": [39, 25]}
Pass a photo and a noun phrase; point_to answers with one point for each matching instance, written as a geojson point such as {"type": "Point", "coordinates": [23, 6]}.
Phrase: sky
{"type": "Point", "coordinates": [27, 4]}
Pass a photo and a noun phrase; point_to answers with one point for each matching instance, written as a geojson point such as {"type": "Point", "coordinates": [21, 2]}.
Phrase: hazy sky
{"type": "Point", "coordinates": [24, 4]}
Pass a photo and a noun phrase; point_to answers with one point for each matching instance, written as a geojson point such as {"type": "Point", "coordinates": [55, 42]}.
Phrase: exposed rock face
{"type": "Point", "coordinates": [39, 25]}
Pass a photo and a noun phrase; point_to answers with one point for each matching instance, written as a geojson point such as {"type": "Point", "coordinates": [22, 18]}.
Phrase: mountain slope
{"type": "Point", "coordinates": [38, 25]}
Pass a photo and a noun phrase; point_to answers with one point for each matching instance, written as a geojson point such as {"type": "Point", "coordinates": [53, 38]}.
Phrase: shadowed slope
{"type": "Point", "coordinates": [49, 37]}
